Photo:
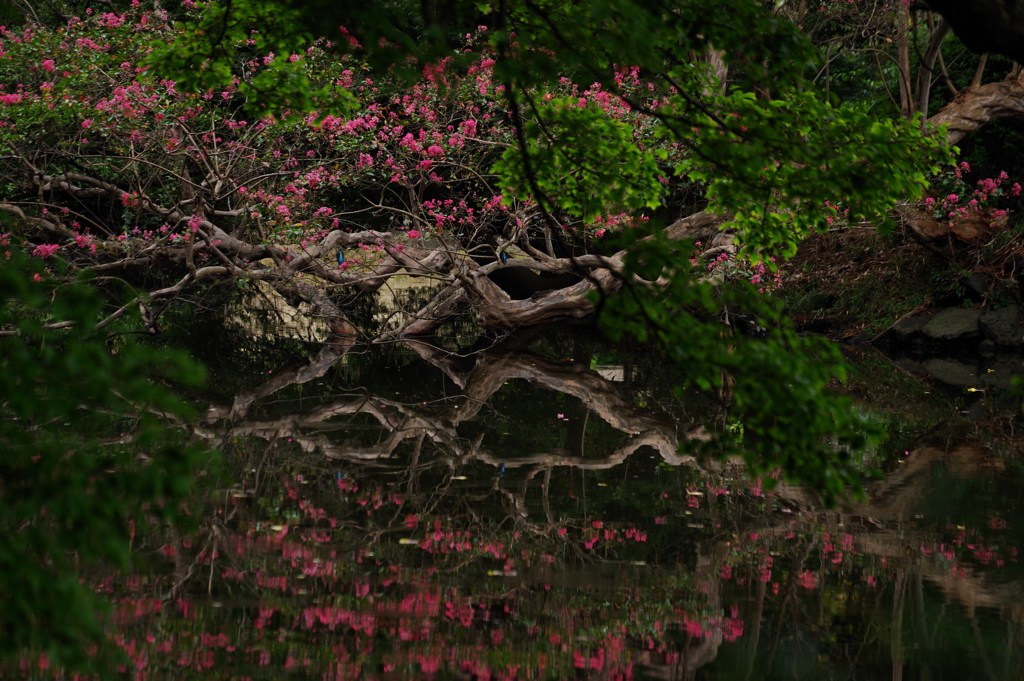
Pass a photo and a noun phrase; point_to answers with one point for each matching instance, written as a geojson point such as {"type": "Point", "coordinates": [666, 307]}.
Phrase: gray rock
{"type": "Point", "coordinates": [987, 348]}
{"type": "Point", "coordinates": [975, 286]}
{"type": "Point", "coordinates": [953, 371]}
{"type": "Point", "coordinates": [1003, 326]}
{"type": "Point", "coordinates": [910, 365]}
{"type": "Point", "coordinates": [976, 411]}
{"type": "Point", "coordinates": [953, 324]}
{"type": "Point", "coordinates": [999, 371]}
{"type": "Point", "coordinates": [908, 329]}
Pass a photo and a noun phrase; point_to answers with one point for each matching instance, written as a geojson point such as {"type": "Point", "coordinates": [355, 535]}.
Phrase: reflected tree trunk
{"type": "Point", "coordinates": [896, 638]}
{"type": "Point", "coordinates": [755, 634]}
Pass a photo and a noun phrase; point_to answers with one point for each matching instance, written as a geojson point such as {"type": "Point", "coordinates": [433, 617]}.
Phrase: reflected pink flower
{"type": "Point", "coordinates": [808, 580]}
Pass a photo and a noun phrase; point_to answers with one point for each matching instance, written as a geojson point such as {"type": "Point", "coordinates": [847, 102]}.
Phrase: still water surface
{"type": "Point", "coordinates": [520, 510]}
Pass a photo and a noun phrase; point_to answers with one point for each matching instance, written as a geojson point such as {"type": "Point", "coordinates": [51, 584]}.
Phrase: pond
{"type": "Point", "coordinates": [519, 508]}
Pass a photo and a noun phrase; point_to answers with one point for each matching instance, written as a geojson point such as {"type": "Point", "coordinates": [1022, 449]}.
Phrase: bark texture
{"type": "Point", "coordinates": [978, 106]}
{"type": "Point", "coordinates": [528, 289]}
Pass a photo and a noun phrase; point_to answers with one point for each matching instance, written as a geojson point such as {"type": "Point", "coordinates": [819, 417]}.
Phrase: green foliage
{"type": "Point", "coordinates": [544, 41]}
{"type": "Point", "coordinates": [205, 51]}
{"type": "Point", "coordinates": [583, 159]}
{"type": "Point", "coordinates": [778, 385]}
{"type": "Point", "coordinates": [84, 459]}
{"type": "Point", "coordinates": [775, 167]}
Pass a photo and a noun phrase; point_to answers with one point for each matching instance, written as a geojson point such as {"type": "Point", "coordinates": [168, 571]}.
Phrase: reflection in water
{"type": "Point", "coordinates": [439, 419]}
{"type": "Point", "coordinates": [504, 513]}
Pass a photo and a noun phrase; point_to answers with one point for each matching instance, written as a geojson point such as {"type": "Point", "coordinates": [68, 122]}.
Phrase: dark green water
{"type": "Point", "coordinates": [520, 510]}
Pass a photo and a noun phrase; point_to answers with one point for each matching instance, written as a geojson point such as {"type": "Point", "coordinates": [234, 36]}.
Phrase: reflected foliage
{"type": "Point", "coordinates": [86, 462]}
{"type": "Point", "coordinates": [785, 415]}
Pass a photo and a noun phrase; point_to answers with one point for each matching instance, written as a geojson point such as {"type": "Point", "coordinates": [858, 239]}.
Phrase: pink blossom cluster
{"type": "Point", "coordinates": [808, 580]}
{"type": "Point", "coordinates": [44, 251]}
{"type": "Point", "coordinates": [958, 208]}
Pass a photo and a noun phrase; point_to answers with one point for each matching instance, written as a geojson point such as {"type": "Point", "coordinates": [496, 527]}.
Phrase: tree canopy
{"type": "Point", "coordinates": [552, 132]}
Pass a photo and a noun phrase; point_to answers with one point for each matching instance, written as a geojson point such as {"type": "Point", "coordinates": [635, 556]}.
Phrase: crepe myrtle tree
{"type": "Point", "coordinates": [520, 164]}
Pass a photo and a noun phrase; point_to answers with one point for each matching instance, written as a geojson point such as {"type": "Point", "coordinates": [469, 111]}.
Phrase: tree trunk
{"type": "Point", "coordinates": [976, 106]}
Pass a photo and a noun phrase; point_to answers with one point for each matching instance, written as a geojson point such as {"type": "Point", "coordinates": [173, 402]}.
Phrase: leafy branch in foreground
{"type": "Point", "coordinates": [776, 381]}
{"type": "Point", "coordinates": [84, 461]}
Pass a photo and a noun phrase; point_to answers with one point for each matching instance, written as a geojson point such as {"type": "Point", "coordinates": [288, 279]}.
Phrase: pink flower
{"type": "Point", "coordinates": [808, 580]}
{"type": "Point", "coordinates": [49, 65]}
{"type": "Point", "coordinates": [414, 234]}
{"type": "Point", "coordinates": [600, 233]}
{"type": "Point", "coordinates": [87, 123]}
{"type": "Point", "coordinates": [112, 20]}
{"type": "Point", "coordinates": [44, 251]}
